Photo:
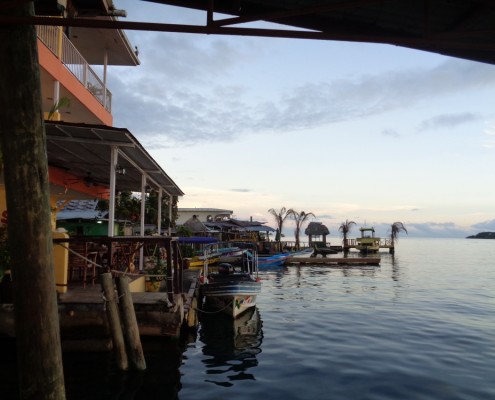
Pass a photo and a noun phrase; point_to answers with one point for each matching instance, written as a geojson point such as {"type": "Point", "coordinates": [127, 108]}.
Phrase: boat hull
{"type": "Point", "coordinates": [279, 260]}
{"type": "Point", "coordinates": [231, 298]}
{"type": "Point", "coordinates": [368, 246]}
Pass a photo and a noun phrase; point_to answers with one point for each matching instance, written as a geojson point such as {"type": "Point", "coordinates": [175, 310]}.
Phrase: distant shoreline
{"type": "Point", "coordinates": [483, 235]}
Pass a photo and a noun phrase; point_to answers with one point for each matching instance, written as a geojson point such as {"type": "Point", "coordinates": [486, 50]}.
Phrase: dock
{"type": "Point", "coordinates": [384, 244]}
{"type": "Point", "coordinates": [335, 260]}
{"type": "Point", "coordinates": [84, 324]}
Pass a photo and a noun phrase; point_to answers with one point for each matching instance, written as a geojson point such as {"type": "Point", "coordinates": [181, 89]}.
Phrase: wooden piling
{"type": "Point", "coordinates": [131, 331]}
{"type": "Point", "coordinates": [112, 311]}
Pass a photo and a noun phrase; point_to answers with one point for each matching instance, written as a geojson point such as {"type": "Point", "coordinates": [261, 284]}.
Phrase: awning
{"type": "Point", "coordinates": [84, 151]}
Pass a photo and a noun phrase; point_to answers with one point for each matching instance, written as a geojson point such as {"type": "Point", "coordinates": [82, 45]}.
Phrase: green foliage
{"type": "Point", "coordinates": [299, 218]}
{"type": "Point", "coordinates": [186, 250]}
{"type": "Point", "coordinates": [395, 229]}
{"type": "Point", "coordinates": [156, 264]}
{"type": "Point", "coordinates": [345, 228]}
{"type": "Point", "coordinates": [64, 102]}
{"type": "Point", "coordinates": [184, 231]}
{"type": "Point", "coordinates": [128, 207]}
{"type": "Point", "coordinates": [280, 217]}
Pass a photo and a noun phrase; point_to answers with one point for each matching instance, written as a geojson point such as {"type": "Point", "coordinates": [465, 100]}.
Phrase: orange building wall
{"type": "Point", "coordinates": [64, 186]}
{"type": "Point", "coordinates": [58, 71]}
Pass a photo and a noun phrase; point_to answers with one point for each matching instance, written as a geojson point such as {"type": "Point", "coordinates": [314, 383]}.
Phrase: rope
{"type": "Point", "coordinates": [213, 312]}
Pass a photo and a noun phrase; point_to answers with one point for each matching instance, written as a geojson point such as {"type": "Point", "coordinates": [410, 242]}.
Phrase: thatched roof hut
{"type": "Point", "coordinates": [195, 225]}
{"type": "Point", "coordinates": [316, 230]}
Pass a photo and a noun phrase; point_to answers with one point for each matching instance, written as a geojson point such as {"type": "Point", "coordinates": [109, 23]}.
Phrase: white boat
{"type": "Point", "coordinates": [230, 289]}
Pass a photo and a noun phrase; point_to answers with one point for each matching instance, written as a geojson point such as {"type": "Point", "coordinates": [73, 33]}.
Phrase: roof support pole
{"type": "Point", "coordinates": [143, 202]}
{"type": "Point", "coordinates": [159, 216]}
{"type": "Point", "coordinates": [111, 206]}
{"type": "Point", "coordinates": [143, 210]}
{"type": "Point", "coordinates": [170, 201]}
{"type": "Point", "coordinates": [105, 64]}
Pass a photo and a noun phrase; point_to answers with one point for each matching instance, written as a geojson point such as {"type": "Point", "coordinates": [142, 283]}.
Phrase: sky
{"type": "Point", "coordinates": [348, 131]}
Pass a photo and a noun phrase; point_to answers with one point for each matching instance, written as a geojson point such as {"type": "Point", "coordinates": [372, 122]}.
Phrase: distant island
{"type": "Point", "coordinates": [483, 235]}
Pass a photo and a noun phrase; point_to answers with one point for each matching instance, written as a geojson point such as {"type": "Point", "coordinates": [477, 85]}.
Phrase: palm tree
{"type": "Point", "coordinates": [345, 228]}
{"type": "Point", "coordinates": [395, 229]}
{"type": "Point", "coordinates": [280, 217]}
{"type": "Point", "coordinates": [300, 218]}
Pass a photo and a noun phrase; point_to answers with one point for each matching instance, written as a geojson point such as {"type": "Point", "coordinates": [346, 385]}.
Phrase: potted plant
{"type": "Point", "coordinates": [156, 270]}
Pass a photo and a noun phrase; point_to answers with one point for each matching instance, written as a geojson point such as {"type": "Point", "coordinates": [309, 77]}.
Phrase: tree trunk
{"type": "Point", "coordinates": [22, 139]}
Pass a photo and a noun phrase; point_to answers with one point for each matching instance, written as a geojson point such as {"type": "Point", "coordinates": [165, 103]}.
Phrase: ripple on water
{"type": "Point", "coordinates": [418, 327]}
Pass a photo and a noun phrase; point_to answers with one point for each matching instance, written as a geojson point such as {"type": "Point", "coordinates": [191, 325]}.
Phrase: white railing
{"type": "Point", "coordinates": [64, 49]}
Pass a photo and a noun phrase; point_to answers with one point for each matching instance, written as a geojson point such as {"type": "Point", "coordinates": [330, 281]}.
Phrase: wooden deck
{"type": "Point", "coordinates": [336, 261]}
{"type": "Point", "coordinates": [83, 319]}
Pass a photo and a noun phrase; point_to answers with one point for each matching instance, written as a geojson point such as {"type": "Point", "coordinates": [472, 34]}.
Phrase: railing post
{"type": "Point", "coordinates": [177, 268]}
{"type": "Point", "coordinates": [170, 281]}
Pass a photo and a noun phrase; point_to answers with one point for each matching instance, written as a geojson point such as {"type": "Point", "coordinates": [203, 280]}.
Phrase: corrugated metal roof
{"type": "Point", "coordinates": [84, 150]}
{"type": "Point", "coordinates": [81, 209]}
{"type": "Point", "coordinates": [79, 214]}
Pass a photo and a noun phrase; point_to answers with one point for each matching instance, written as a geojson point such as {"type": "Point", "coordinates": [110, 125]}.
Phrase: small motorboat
{"type": "Point", "coordinates": [231, 289]}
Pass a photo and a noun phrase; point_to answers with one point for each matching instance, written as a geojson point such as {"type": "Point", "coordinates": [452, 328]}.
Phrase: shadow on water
{"type": "Point", "coordinates": [95, 376]}
{"type": "Point", "coordinates": [231, 346]}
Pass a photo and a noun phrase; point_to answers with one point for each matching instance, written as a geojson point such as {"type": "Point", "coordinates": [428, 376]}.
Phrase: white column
{"type": "Point", "coordinates": [159, 217]}
{"type": "Point", "coordinates": [111, 207]}
{"type": "Point", "coordinates": [105, 63]}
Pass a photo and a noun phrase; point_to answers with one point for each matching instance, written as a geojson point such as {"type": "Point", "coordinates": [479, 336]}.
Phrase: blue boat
{"type": "Point", "coordinates": [279, 260]}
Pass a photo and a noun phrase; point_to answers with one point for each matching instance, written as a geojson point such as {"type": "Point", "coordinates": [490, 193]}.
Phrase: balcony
{"type": "Point", "coordinates": [58, 43]}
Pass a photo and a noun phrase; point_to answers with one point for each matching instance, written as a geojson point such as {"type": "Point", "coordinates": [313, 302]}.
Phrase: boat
{"type": "Point", "coordinates": [215, 254]}
{"type": "Point", "coordinates": [368, 243]}
{"type": "Point", "coordinates": [272, 261]}
{"type": "Point", "coordinates": [323, 251]}
{"type": "Point", "coordinates": [230, 289]}
{"type": "Point", "coordinates": [307, 252]}
{"type": "Point", "coordinates": [279, 260]}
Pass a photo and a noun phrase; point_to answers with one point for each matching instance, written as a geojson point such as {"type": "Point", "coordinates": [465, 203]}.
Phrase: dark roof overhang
{"type": "Point", "coordinates": [84, 151]}
{"type": "Point", "coordinates": [462, 29]}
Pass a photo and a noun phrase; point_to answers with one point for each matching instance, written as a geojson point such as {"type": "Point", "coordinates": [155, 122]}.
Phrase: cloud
{"type": "Point", "coordinates": [490, 132]}
{"type": "Point", "coordinates": [485, 226]}
{"type": "Point", "coordinates": [325, 216]}
{"type": "Point", "coordinates": [390, 133]}
{"type": "Point", "coordinates": [241, 190]}
{"type": "Point", "coordinates": [436, 229]}
{"type": "Point", "coordinates": [183, 94]}
{"type": "Point", "coordinates": [448, 121]}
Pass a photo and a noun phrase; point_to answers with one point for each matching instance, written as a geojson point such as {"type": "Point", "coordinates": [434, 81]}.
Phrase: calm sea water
{"type": "Point", "coordinates": [419, 326]}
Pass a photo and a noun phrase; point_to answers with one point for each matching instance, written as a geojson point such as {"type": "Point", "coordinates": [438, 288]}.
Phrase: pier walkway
{"type": "Point", "coordinates": [83, 322]}
{"type": "Point", "coordinates": [335, 261]}
{"type": "Point", "coordinates": [384, 244]}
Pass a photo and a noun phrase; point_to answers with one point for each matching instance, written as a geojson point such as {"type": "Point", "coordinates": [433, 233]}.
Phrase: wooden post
{"type": "Point", "coordinates": [131, 331]}
{"type": "Point", "coordinates": [23, 143]}
{"type": "Point", "coordinates": [170, 281]}
{"type": "Point", "coordinates": [114, 321]}
{"type": "Point", "coordinates": [177, 268]}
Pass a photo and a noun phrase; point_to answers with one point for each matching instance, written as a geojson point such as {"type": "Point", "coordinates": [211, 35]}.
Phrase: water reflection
{"type": "Point", "coordinates": [232, 346]}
